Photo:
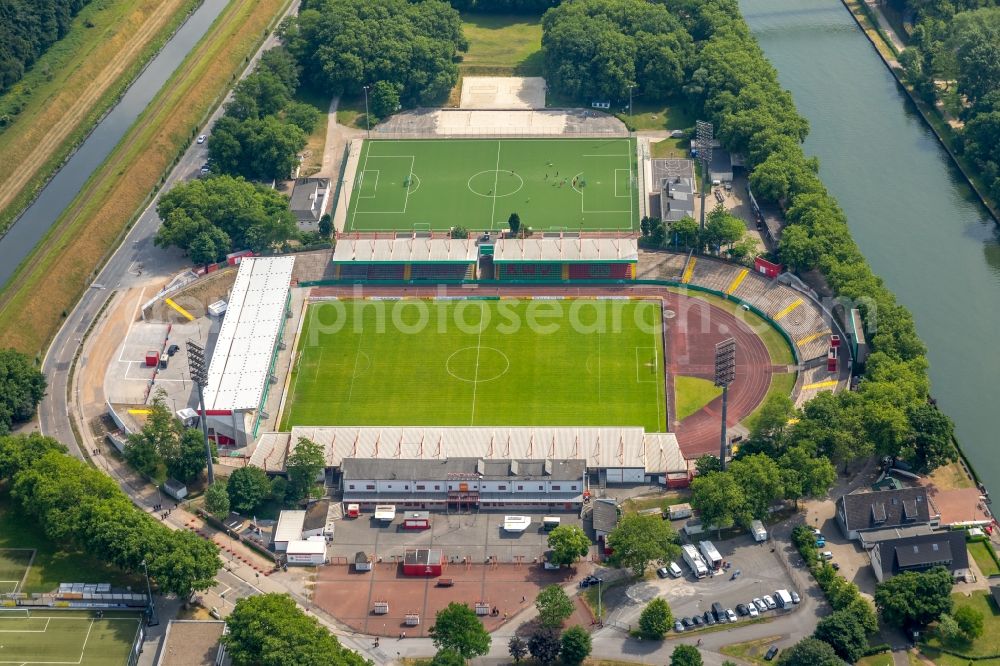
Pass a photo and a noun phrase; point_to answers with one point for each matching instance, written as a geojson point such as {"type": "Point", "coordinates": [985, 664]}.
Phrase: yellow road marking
{"type": "Point", "coordinates": [140, 411]}
{"type": "Point", "coordinates": [689, 270]}
{"type": "Point", "coordinates": [737, 281]}
{"type": "Point", "coordinates": [784, 313]}
{"type": "Point", "coordinates": [184, 313]}
{"type": "Point", "coordinates": [830, 383]}
{"type": "Point", "coordinates": [810, 338]}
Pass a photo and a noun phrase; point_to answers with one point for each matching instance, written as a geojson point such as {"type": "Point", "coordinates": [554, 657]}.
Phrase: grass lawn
{"type": "Point", "coordinates": [67, 637]}
{"type": "Point", "coordinates": [351, 112]}
{"type": "Point", "coordinates": [693, 393]}
{"type": "Point", "coordinates": [986, 645]}
{"type": "Point", "coordinates": [51, 279]}
{"type": "Point", "coordinates": [951, 476]}
{"type": "Point", "coordinates": [50, 566]}
{"type": "Point", "coordinates": [466, 363]}
{"type": "Point", "coordinates": [478, 183]}
{"type": "Point", "coordinates": [502, 45]}
{"type": "Point", "coordinates": [659, 116]}
{"type": "Point", "coordinates": [980, 551]}
{"type": "Point", "coordinates": [752, 651]}
{"type": "Point", "coordinates": [876, 660]}
{"type": "Point", "coordinates": [637, 504]}
{"type": "Point", "coordinates": [777, 347]}
{"type": "Point", "coordinates": [671, 148]}
{"type": "Point", "coordinates": [316, 142]}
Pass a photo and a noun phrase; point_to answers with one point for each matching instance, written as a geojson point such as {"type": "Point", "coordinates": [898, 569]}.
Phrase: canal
{"type": "Point", "coordinates": [915, 219]}
{"type": "Point", "coordinates": [36, 220]}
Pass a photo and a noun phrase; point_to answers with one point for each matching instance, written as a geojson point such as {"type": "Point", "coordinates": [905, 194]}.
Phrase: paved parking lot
{"type": "Point", "coordinates": [761, 573]}
{"type": "Point", "coordinates": [474, 536]}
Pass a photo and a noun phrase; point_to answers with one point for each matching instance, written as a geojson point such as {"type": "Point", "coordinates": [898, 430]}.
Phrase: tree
{"type": "Point", "coordinates": [707, 463]}
{"type": "Point", "coordinates": [514, 222]}
{"type": "Point", "coordinates": [568, 543]}
{"type": "Point", "coordinates": [810, 652]}
{"type": "Point", "coordinates": [303, 116]}
{"type": "Point", "coordinates": [22, 387]}
{"type": "Point", "coordinates": [459, 232]}
{"type": "Point", "coordinates": [760, 478]}
{"type": "Point", "coordinates": [325, 225]}
{"type": "Point", "coordinates": [655, 619]}
{"type": "Point", "coordinates": [457, 628]}
{"type": "Point", "coordinates": [640, 538]}
{"type": "Point", "coordinates": [970, 620]}
{"type": "Point", "coordinates": [158, 440]}
{"type": "Point", "coordinates": [18, 452]}
{"type": "Point", "coordinates": [271, 630]}
{"type": "Point", "coordinates": [768, 427]}
{"type": "Point", "coordinates": [686, 232]}
{"type": "Point", "coordinates": [948, 629]}
{"type": "Point", "coordinates": [303, 466]}
{"type": "Point", "coordinates": [720, 499]}
{"type": "Point", "coordinates": [842, 629]}
{"type": "Point", "coordinates": [517, 648]}
{"type": "Point", "coordinates": [384, 99]}
{"type": "Point", "coordinates": [447, 658]}
{"type": "Point", "coordinates": [544, 645]}
{"type": "Point", "coordinates": [932, 442]}
{"type": "Point", "coordinates": [554, 606]}
{"type": "Point", "coordinates": [805, 473]}
{"type": "Point", "coordinates": [248, 487]}
{"type": "Point", "coordinates": [914, 599]}
{"type": "Point", "coordinates": [217, 499]}
{"type": "Point", "coordinates": [685, 655]}
{"type": "Point", "coordinates": [575, 646]}
{"type": "Point", "coordinates": [188, 461]}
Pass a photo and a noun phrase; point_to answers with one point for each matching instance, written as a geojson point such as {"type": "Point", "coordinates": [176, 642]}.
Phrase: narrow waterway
{"type": "Point", "coordinates": [916, 220]}
{"type": "Point", "coordinates": [66, 184]}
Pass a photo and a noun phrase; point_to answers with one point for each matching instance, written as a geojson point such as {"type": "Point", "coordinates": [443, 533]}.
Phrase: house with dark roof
{"type": "Point", "coordinates": [862, 512]}
{"type": "Point", "coordinates": [919, 553]}
{"type": "Point", "coordinates": [309, 199]}
{"type": "Point", "coordinates": [604, 517]}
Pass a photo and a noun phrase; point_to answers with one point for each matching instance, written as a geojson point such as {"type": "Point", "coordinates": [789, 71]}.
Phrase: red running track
{"type": "Point", "coordinates": [694, 327]}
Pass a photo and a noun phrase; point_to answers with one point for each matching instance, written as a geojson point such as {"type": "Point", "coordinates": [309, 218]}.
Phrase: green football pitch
{"type": "Point", "coordinates": [66, 637]}
{"type": "Point", "coordinates": [480, 363]}
{"type": "Point", "coordinates": [552, 184]}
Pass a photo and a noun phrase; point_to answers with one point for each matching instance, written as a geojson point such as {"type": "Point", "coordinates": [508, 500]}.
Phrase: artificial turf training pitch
{"type": "Point", "coordinates": [480, 363]}
{"type": "Point", "coordinates": [66, 637]}
{"type": "Point", "coordinates": [552, 184]}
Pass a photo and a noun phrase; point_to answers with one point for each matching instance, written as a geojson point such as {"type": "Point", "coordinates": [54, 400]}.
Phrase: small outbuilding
{"type": "Point", "coordinates": [417, 520]}
{"type": "Point", "coordinates": [288, 529]}
{"type": "Point", "coordinates": [362, 562]}
{"type": "Point", "coordinates": [428, 562]}
{"type": "Point", "coordinates": [308, 552]}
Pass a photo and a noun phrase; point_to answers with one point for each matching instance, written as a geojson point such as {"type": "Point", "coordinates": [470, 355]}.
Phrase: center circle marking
{"type": "Point", "coordinates": [492, 364]}
{"type": "Point", "coordinates": [495, 183]}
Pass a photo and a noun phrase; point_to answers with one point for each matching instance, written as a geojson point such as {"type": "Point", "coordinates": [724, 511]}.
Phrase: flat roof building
{"type": "Point", "coordinates": [288, 529]}
{"type": "Point", "coordinates": [193, 643]}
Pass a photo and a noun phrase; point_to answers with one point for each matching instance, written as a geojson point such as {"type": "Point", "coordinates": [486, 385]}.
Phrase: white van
{"type": "Point", "coordinates": [674, 570]}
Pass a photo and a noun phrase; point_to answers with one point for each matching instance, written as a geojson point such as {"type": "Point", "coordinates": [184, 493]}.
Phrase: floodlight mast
{"type": "Point", "coordinates": [703, 139]}
{"type": "Point", "coordinates": [199, 375]}
{"type": "Point", "coordinates": [725, 373]}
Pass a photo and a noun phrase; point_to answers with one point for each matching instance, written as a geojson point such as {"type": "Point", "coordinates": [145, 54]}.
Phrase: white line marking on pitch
{"type": "Point", "coordinates": [479, 343]}
{"type": "Point", "coordinates": [496, 181]}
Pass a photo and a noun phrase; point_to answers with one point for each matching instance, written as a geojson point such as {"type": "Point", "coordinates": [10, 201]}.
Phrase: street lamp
{"type": "Point", "coordinates": [600, 616]}
{"type": "Point", "coordinates": [199, 375]}
{"type": "Point", "coordinates": [631, 87]}
{"type": "Point", "coordinates": [725, 373]}
{"type": "Point", "coordinates": [368, 125]}
{"type": "Point", "coordinates": [151, 621]}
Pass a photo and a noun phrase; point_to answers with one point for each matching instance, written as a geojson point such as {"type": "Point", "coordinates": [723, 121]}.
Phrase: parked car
{"type": "Point", "coordinates": [772, 652]}
{"type": "Point", "coordinates": [172, 349]}
{"type": "Point", "coordinates": [730, 615]}
{"type": "Point", "coordinates": [589, 580]}
{"type": "Point", "coordinates": [709, 618]}
{"type": "Point", "coordinates": [697, 621]}
{"type": "Point", "coordinates": [769, 602]}
{"type": "Point", "coordinates": [678, 626]}
{"type": "Point", "coordinates": [205, 169]}
{"type": "Point", "coordinates": [662, 572]}
{"type": "Point", "coordinates": [816, 531]}
{"type": "Point", "coordinates": [759, 603]}
{"type": "Point", "coordinates": [820, 541]}
{"type": "Point", "coordinates": [753, 609]}
{"type": "Point", "coordinates": [795, 597]}
{"type": "Point", "coordinates": [201, 138]}
{"type": "Point", "coordinates": [686, 621]}
{"type": "Point", "coordinates": [826, 555]}
{"type": "Point", "coordinates": [676, 134]}
{"type": "Point", "coordinates": [742, 609]}
{"type": "Point", "coordinates": [836, 566]}
{"type": "Point", "coordinates": [674, 570]}
{"type": "Point", "coordinates": [718, 611]}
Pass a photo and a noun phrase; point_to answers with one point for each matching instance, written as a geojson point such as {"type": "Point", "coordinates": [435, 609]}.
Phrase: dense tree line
{"type": "Point", "coordinates": [889, 414]}
{"type": "Point", "coordinates": [79, 506]}
{"type": "Point", "coordinates": [27, 29]}
{"type": "Point", "coordinates": [213, 216]}
{"type": "Point", "coordinates": [962, 49]}
{"type": "Point", "coordinates": [407, 49]}
{"type": "Point", "coordinates": [263, 129]}
{"type": "Point", "coordinates": [599, 49]}
{"type": "Point", "coordinates": [271, 630]}
{"type": "Point", "coordinates": [22, 387]}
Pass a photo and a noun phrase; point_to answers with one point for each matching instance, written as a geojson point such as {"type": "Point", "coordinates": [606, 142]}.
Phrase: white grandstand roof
{"type": "Point", "coordinates": [657, 453]}
{"type": "Point", "coordinates": [405, 250]}
{"type": "Point", "coordinates": [241, 360]}
{"type": "Point", "coordinates": [566, 249]}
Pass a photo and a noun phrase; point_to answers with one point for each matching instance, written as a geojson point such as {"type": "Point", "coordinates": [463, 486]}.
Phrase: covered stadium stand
{"type": "Point", "coordinates": [404, 258]}
{"type": "Point", "coordinates": [565, 258]}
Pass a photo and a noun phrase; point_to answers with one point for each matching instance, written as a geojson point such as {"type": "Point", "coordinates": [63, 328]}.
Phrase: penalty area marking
{"type": "Point", "coordinates": [640, 364]}
{"type": "Point", "coordinates": [361, 183]}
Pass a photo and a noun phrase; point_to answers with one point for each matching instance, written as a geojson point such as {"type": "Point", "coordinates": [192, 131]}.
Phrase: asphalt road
{"type": "Point", "coordinates": [136, 261]}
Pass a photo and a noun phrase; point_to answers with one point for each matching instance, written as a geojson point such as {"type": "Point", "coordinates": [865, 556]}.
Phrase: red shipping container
{"type": "Point", "coordinates": [766, 267]}
{"type": "Point", "coordinates": [152, 358]}
{"type": "Point", "coordinates": [423, 562]}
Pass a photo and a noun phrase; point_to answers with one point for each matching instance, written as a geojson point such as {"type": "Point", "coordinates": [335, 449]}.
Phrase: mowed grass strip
{"type": "Point", "coordinates": [692, 394]}
{"type": "Point", "coordinates": [568, 184]}
{"type": "Point", "coordinates": [502, 45]}
{"type": "Point", "coordinates": [67, 637]}
{"type": "Point", "coordinates": [52, 278]}
{"type": "Point", "coordinates": [72, 85]}
{"type": "Point", "coordinates": [480, 363]}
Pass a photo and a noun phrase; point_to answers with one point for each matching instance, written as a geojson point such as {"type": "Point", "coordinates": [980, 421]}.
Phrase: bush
{"type": "Point", "coordinates": [655, 620]}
